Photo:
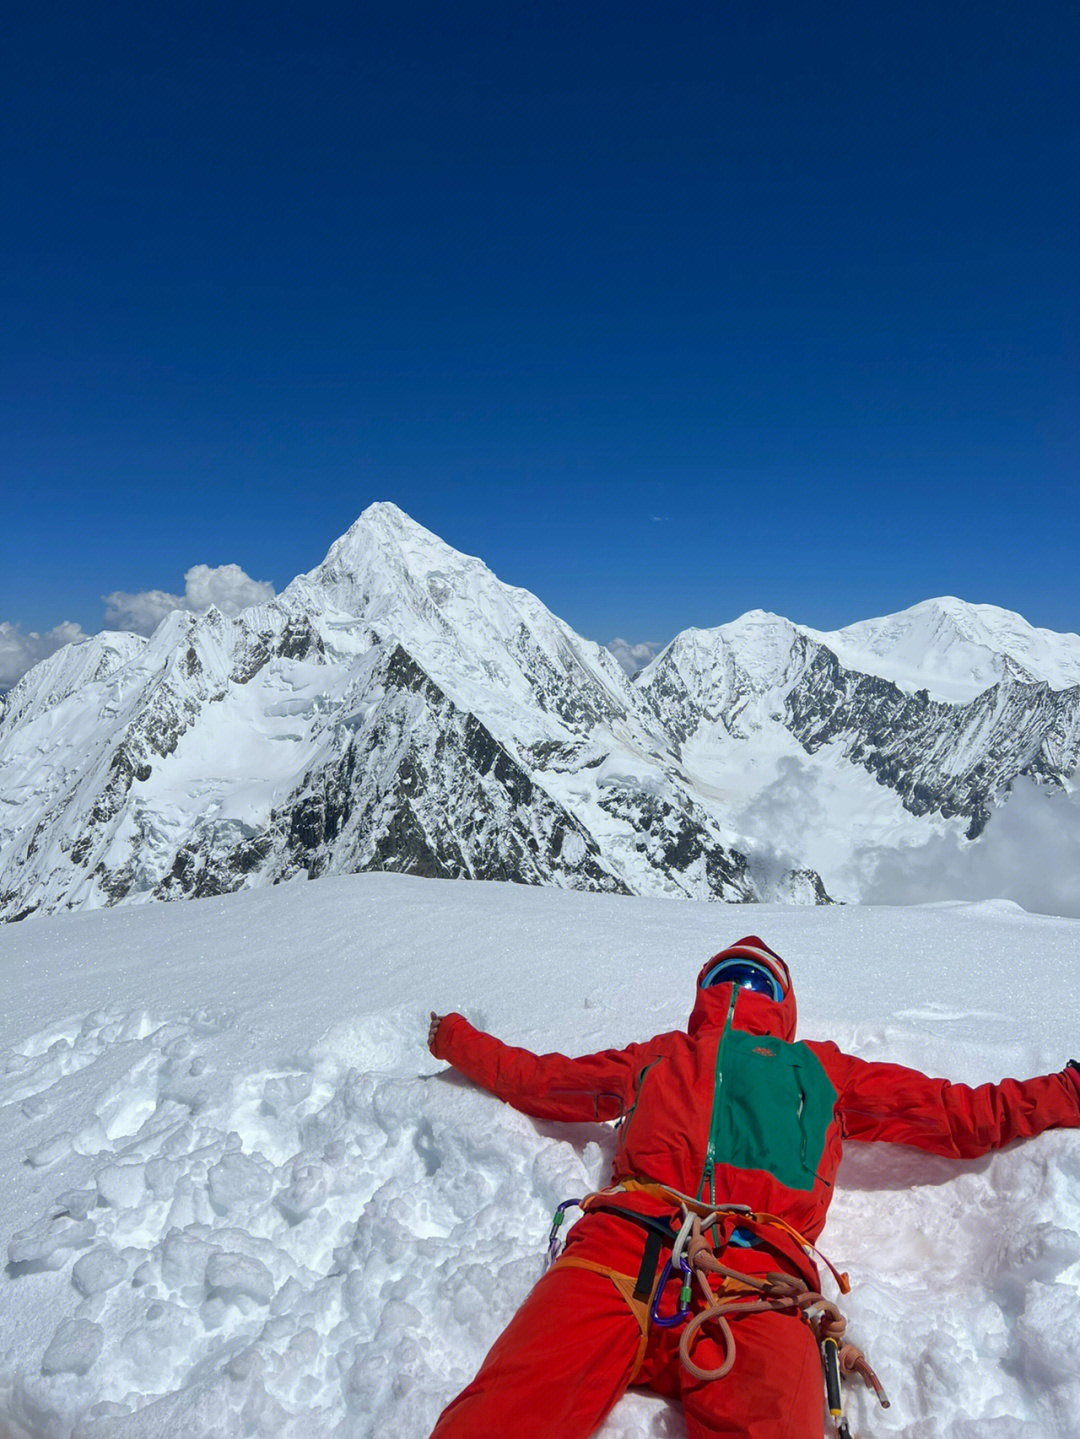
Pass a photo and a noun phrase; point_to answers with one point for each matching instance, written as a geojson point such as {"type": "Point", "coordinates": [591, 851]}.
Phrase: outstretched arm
{"type": "Point", "coordinates": [547, 1086]}
{"type": "Point", "coordinates": [889, 1102]}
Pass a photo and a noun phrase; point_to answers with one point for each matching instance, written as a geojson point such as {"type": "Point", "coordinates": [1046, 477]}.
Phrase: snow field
{"type": "Point", "coordinates": [241, 1198]}
{"type": "Point", "coordinates": [284, 1251]}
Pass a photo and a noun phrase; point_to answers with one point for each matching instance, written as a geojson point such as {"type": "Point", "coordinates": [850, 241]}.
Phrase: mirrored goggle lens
{"type": "Point", "coordinates": [747, 975]}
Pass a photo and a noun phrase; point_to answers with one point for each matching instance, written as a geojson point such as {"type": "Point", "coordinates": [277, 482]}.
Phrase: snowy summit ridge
{"type": "Point", "coordinates": [955, 649]}
{"type": "Point", "coordinates": [400, 707]}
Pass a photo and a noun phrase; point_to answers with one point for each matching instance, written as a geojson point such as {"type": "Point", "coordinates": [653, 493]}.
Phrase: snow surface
{"type": "Point", "coordinates": [240, 1197]}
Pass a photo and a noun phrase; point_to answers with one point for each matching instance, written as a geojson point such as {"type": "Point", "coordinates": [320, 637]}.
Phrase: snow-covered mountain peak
{"type": "Point", "coordinates": [955, 649]}
{"type": "Point", "coordinates": [386, 560]}
{"type": "Point", "coordinates": [755, 651]}
{"type": "Point", "coordinates": [67, 670]}
{"type": "Point", "coordinates": [762, 641]}
{"type": "Point", "coordinates": [383, 531]}
{"type": "Point", "coordinates": [494, 647]}
{"type": "Point", "coordinates": [399, 706]}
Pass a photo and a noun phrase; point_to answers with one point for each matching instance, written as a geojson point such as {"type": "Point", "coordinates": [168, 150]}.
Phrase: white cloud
{"type": "Point", "coordinates": [1029, 853]}
{"type": "Point", "coordinates": [226, 586]}
{"type": "Point", "coordinates": [633, 657]}
{"type": "Point", "coordinates": [19, 651]}
{"type": "Point", "coordinates": [788, 809]}
{"type": "Point", "coordinates": [141, 613]}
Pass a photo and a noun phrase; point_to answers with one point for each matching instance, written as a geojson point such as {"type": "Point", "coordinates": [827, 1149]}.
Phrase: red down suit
{"type": "Point", "coordinates": [730, 1111]}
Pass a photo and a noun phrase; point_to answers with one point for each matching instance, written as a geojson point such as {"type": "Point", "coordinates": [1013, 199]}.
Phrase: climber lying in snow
{"type": "Point", "coordinates": [733, 1112]}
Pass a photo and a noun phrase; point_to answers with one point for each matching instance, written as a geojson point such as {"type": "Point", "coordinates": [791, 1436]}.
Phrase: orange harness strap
{"type": "Point", "coordinates": [695, 1206]}
{"type": "Point", "coordinates": [642, 1308]}
{"type": "Point", "coordinates": [625, 1284]}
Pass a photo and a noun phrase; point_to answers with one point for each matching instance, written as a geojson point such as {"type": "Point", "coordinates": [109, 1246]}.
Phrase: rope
{"type": "Point", "coordinates": [736, 1294]}
{"type": "Point", "coordinates": [699, 1207]}
{"type": "Point", "coordinates": [740, 1294]}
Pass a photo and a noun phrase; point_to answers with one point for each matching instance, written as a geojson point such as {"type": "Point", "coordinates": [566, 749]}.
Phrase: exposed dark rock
{"type": "Point", "coordinates": [675, 842]}
{"type": "Point", "coordinates": [805, 886]}
{"type": "Point", "coordinates": [452, 803]}
{"type": "Point", "coordinates": [297, 641]}
{"type": "Point", "coordinates": [918, 746]}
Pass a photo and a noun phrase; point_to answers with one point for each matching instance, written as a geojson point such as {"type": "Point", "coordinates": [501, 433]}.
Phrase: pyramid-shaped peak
{"type": "Point", "coordinates": [383, 526]}
{"type": "Point", "coordinates": [384, 542]}
{"type": "Point", "coordinates": [387, 566]}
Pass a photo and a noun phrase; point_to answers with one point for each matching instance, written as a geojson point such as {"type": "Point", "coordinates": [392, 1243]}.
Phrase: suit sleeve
{"type": "Point", "coordinates": [547, 1086]}
{"type": "Point", "coordinates": [902, 1106]}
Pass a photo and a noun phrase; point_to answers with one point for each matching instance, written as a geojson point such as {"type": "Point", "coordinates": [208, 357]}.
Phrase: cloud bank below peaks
{"type": "Point", "coordinates": [633, 657]}
{"type": "Point", "coordinates": [21, 651]}
{"type": "Point", "coordinates": [226, 586]}
{"type": "Point", "coordinates": [1029, 853]}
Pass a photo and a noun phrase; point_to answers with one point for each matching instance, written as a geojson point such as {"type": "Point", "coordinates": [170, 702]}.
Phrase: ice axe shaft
{"type": "Point", "coordinates": [830, 1358]}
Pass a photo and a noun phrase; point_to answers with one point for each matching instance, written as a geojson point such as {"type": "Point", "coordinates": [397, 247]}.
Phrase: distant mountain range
{"type": "Point", "coordinates": [401, 708]}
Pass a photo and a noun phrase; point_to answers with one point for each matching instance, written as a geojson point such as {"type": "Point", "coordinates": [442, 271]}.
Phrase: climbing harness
{"type": "Point", "coordinates": [693, 1258]}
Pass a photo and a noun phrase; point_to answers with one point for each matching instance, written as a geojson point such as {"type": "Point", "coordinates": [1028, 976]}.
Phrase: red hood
{"type": "Point", "coordinates": [755, 1013]}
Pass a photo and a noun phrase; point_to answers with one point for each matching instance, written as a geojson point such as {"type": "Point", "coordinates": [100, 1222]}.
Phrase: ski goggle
{"type": "Point", "coordinates": [747, 974]}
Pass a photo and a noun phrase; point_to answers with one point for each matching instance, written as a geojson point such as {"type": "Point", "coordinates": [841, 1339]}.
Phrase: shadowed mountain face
{"type": "Point", "coordinates": [400, 708]}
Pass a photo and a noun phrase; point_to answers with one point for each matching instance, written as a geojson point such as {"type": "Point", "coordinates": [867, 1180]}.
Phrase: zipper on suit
{"type": "Point", "coordinates": [709, 1177]}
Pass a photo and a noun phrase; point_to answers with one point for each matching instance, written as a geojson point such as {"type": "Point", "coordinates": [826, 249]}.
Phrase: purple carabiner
{"type": "Point", "coordinates": [555, 1241]}
{"type": "Point", "coordinates": [682, 1314]}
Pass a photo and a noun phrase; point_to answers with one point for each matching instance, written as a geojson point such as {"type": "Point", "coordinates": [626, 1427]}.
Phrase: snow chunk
{"type": "Point", "coordinates": [233, 1275]}
{"type": "Point", "coordinates": [99, 1270]}
{"type": "Point", "coordinates": [237, 1180]}
{"type": "Point", "coordinates": [306, 1192]}
{"type": "Point", "coordinates": [184, 1258]}
{"type": "Point", "coordinates": [48, 1153]}
{"type": "Point", "coordinates": [75, 1347]}
{"type": "Point", "coordinates": [1046, 1333]}
{"type": "Point", "coordinates": [122, 1185]}
{"type": "Point", "coordinates": [75, 1202]}
{"type": "Point", "coordinates": [46, 1244]}
{"type": "Point", "coordinates": [1036, 1253]}
{"type": "Point", "coordinates": [158, 1345]}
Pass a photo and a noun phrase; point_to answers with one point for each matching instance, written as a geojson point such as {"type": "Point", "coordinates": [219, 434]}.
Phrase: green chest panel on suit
{"type": "Point", "coordinates": [772, 1108]}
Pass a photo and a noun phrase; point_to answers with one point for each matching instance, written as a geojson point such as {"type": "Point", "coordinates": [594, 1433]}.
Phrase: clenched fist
{"type": "Point", "coordinates": [433, 1027]}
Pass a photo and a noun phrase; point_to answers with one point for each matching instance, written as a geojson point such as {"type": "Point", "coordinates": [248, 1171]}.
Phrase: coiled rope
{"type": "Point", "coordinates": [740, 1294]}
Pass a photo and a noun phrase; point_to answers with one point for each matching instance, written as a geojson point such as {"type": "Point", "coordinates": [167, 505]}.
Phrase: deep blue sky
{"type": "Point", "coordinates": [666, 311]}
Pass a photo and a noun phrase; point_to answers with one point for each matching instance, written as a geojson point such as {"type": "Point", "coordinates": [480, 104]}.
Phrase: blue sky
{"type": "Point", "coordinates": [667, 312]}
